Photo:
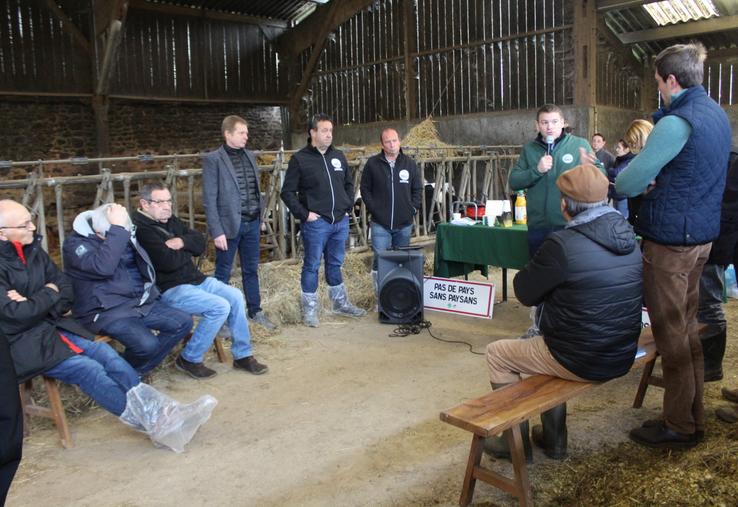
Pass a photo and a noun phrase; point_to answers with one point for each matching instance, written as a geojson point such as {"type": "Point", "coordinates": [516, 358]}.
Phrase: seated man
{"type": "Point", "coordinates": [588, 279]}
{"type": "Point", "coordinates": [34, 297]}
{"type": "Point", "coordinates": [171, 245]}
{"type": "Point", "coordinates": [115, 290]}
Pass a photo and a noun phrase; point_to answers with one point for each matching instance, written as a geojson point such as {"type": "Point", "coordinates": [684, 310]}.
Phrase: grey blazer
{"type": "Point", "coordinates": [220, 194]}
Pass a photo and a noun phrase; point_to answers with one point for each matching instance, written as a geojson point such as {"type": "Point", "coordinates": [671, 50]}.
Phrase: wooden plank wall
{"type": "Point", "coordinates": [36, 54]}
{"type": "Point", "coordinates": [721, 81]}
{"type": "Point", "coordinates": [189, 57]}
{"type": "Point", "coordinates": [468, 56]}
{"type": "Point", "coordinates": [161, 56]}
{"type": "Point", "coordinates": [618, 82]}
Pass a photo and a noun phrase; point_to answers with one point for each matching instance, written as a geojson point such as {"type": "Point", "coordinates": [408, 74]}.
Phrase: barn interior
{"type": "Point", "coordinates": [98, 97]}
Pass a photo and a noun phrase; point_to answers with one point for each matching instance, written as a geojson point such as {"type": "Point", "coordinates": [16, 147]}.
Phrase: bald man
{"type": "Point", "coordinates": [34, 299]}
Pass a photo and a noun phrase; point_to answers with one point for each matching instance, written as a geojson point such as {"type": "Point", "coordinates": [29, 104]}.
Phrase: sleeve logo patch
{"type": "Point", "coordinates": [81, 250]}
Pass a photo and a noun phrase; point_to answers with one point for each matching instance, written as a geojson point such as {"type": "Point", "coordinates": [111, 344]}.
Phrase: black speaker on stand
{"type": "Point", "coordinates": [400, 282]}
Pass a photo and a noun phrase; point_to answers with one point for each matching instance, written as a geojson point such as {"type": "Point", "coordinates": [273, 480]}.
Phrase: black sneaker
{"type": "Point", "coordinates": [251, 365]}
{"type": "Point", "coordinates": [194, 370]}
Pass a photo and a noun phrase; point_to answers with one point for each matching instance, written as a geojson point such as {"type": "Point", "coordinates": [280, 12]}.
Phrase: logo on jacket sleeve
{"type": "Point", "coordinates": [81, 250]}
{"type": "Point", "coordinates": [404, 176]}
{"type": "Point", "coordinates": [568, 158]}
{"type": "Point", "coordinates": [336, 164]}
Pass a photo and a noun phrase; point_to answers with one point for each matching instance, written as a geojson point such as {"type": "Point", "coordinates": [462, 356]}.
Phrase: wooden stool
{"type": "Point", "coordinates": [54, 411]}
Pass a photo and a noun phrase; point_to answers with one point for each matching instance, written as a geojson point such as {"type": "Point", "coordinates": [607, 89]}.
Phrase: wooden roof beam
{"type": "Point", "coordinates": [688, 29]}
{"type": "Point", "coordinates": [318, 44]}
{"type": "Point", "coordinates": [177, 10]}
{"type": "Point", "coordinates": [298, 39]}
{"type": "Point", "coordinates": [616, 45]}
{"type": "Point", "coordinates": [69, 27]}
{"type": "Point", "coordinates": [612, 5]}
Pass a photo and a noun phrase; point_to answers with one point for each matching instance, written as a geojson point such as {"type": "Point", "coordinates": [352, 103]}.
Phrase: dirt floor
{"type": "Point", "coordinates": [346, 416]}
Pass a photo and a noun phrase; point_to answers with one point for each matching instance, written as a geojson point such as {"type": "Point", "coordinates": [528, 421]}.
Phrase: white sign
{"type": "Point", "coordinates": [457, 296]}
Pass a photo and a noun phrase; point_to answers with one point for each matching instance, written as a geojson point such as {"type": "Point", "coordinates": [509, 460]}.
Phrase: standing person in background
{"type": "Point", "coordinates": [391, 187]}
{"type": "Point", "coordinates": [681, 172]}
{"type": "Point", "coordinates": [318, 189]}
{"type": "Point", "coordinates": [713, 325]}
{"type": "Point", "coordinates": [604, 156]}
{"type": "Point", "coordinates": [624, 156]}
{"type": "Point", "coordinates": [635, 138]}
{"type": "Point", "coordinates": [232, 201]}
{"type": "Point", "coordinates": [541, 162]}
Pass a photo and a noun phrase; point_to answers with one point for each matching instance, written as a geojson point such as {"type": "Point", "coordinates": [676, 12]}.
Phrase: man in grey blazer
{"type": "Point", "coordinates": [232, 200]}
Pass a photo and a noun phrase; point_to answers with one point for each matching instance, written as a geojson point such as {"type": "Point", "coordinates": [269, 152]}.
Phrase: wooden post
{"type": "Point", "coordinates": [585, 53]}
{"type": "Point", "coordinates": [411, 103]}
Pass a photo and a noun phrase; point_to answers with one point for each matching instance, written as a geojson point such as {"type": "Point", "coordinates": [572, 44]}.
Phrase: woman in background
{"type": "Point", "coordinates": [635, 138]}
{"type": "Point", "coordinates": [622, 159]}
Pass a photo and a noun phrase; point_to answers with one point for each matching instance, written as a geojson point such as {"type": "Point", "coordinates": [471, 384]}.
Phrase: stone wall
{"type": "Point", "coordinates": [41, 128]}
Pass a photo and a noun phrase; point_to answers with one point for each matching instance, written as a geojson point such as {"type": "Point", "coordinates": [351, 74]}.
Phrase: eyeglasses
{"type": "Point", "coordinates": [25, 225]}
{"type": "Point", "coordinates": [552, 123]}
{"type": "Point", "coordinates": [160, 201]}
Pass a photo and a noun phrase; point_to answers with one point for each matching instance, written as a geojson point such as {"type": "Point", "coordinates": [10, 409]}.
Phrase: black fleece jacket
{"type": "Point", "coordinates": [391, 194]}
{"type": "Point", "coordinates": [321, 183]}
{"type": "Point", "coordinates": [173, 267]}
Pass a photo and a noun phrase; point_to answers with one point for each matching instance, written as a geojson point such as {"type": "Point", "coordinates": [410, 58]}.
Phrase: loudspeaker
{"type": "Point", "coordinates": [400, 281]}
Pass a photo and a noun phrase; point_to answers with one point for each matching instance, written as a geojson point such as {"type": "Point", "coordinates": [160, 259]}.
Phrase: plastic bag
{"type": "Point", "coordinates": [167, 422]}
{"type": "Point", "coordinates": [731, 287]}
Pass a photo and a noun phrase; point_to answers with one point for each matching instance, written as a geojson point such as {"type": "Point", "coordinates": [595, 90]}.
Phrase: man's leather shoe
{"type": "Point", "coordinates": [251, 365]}
{"type": "Point", "coordinates": [730, 394]}
{"type": "Point", "coordinates": [661, 437]}
{"type": "Point", "coordinates": [194, 370]}
{"type": "Point", "coordinates": [650, 423]}
{"type": "Point", "coordinates": [727, 414]}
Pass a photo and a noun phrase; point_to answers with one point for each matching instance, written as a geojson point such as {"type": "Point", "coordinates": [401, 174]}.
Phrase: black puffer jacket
{"type": "Point", "coordinates": [588, 278]}
{"type": "Point", "coordinates": [32, 326]}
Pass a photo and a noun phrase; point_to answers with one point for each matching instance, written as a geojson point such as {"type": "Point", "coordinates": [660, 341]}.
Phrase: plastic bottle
{"type": "Point", "coordinates": [521, 211]}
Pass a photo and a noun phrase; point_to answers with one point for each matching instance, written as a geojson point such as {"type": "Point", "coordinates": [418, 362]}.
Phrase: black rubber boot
{"type": "Point", "coordinates": [497, 446]}
{"type": "Point", "coordinates": [713, 349]}
{"type": "Point", "coordinates": [551, 436]}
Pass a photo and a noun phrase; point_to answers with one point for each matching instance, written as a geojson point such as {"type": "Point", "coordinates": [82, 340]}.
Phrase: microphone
{"type": "Point", "coordinates": [549, 143]}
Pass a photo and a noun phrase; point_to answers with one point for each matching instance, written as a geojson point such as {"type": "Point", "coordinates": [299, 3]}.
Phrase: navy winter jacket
{"type": "Point", "coordinates": [104, 290]}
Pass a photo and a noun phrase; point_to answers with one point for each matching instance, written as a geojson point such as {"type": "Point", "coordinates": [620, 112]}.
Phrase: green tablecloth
{"type": "Point", "coordinates": [462, 249]}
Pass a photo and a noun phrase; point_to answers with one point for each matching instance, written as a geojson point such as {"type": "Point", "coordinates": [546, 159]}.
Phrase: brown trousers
{"type": "Point", "coordinates": [671, 283]}
{"type": "Point", "coordinates": [508, 360]}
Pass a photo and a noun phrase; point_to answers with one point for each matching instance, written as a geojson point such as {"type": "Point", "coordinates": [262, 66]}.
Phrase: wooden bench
{"type": "Point", "coordinates": [502, 411]}
{"type": "Point", "coordinates": [55, 410]}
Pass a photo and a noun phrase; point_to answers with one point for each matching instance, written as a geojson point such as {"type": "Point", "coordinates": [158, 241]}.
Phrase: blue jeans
{"type": "Point", "coordinates": [536, 237]}
{"type": "Point", "coordinates": [247, 245]}
{"type": "Point", "coordinates": [384, 239]}
{"type": "Point", "coordinates": [215, 302]}
{"type": "Point", "coordinates": [322, 239]}
{"type": "Point", "coordinates": [622, 206]}
{"type": "Point", "coordinates": [145, 350]}
{"type": "Point", "coordinates": [99, 371]}
{"type": "Point", "coordinates": [710, 309]}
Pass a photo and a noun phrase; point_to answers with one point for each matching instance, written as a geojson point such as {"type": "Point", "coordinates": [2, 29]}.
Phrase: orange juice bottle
{"type": "Point", "coordinates": [521, 210]}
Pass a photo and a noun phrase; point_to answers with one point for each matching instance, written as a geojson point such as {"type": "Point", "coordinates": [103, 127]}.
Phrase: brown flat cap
{"type": "Point", "coordinates": [584, 183]}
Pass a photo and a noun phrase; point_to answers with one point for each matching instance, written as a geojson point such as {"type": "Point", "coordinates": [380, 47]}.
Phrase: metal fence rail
{"type": "Point", "coordinates": [453, 173]}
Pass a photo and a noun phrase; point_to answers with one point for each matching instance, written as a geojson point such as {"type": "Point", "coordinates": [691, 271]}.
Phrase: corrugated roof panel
{"type": "Point", "coordinates": [680, 11]}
